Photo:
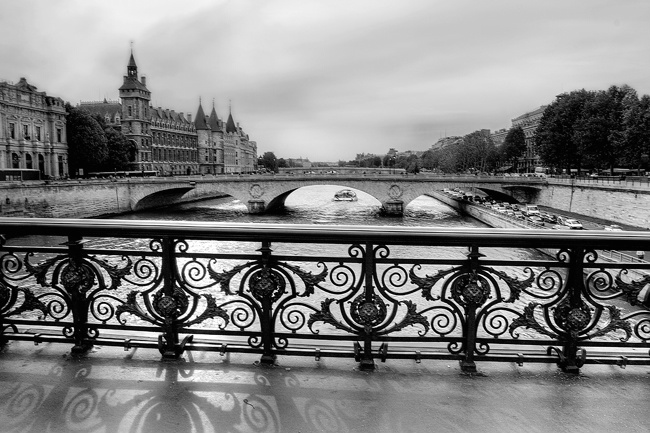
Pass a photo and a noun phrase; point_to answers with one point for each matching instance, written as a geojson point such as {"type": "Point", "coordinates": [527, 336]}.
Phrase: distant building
{"type": "Point", "coordinates": [299, 162]}
{"type": "Point", "coordinates": [498, 137]}
{"type": "Point", "coordinates": [32, 130]}
{"type": "Point", "coordinates": [446, 141]}
{"type": "Point", "coordinates": [529, 123]}
{"type": "Point", "coordinates": [170, 142]}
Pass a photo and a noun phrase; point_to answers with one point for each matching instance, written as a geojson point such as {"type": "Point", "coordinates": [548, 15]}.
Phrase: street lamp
{"type": "Point", "coordinates": [644, 160]}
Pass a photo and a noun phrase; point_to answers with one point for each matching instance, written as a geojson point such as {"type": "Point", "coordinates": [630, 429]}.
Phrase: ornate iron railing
{"type": "Point", "coordinates": [373, 293]}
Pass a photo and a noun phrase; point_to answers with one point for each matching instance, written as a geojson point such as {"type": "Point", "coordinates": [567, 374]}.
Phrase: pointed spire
{"type": "Point", "coordinates": [132, 68]}
{"type": "Point", "coordinates": [230, 124]}
{"type": "Point", "coordinates": [213, 121]}
{"type": "Point", "coordinates": [199, 121]}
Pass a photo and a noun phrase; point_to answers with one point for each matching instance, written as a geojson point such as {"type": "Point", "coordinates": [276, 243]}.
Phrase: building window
{"type": "Point", "coordinates": [26, 132]}
{"type": "Point", "coordinates": [12, 130]}
{"type": "Point", "coordinates": [38, 133]}
{"type": "Point", "coordinates": [130, 111]}
{"type": "Point", "coordinates": [59, 135]}
{"type": "Point", "coordinates": [117, 119]}
{"type": "Point", "coordinates": [28, 161]}
{"type": "Point", "coordinates": [60, 165]}
{"type": "Point", "coordinates": [15, 160]}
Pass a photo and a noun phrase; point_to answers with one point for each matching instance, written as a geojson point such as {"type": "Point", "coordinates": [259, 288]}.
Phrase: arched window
{"type": "Point", "coordinates": [15, 160]}
{"type": "Point", "coordinates": [28, 161]}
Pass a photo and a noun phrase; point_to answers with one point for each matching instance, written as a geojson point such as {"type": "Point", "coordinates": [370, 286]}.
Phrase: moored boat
{"type": "Point", "coordinates": [345, 195]}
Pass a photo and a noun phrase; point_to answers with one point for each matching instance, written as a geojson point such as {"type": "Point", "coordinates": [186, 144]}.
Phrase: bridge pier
{"type": "Point", "coordinates": [393, 207]}
{"type": "Point", "coordinates": [256, 206]}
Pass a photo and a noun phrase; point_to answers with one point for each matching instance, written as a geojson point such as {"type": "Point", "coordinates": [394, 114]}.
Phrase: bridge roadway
{"type": "Point", "coordinates": [624, 202]}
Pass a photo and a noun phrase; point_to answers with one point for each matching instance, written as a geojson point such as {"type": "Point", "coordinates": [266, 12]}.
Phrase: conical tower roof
{"type": "Point", "coordinates": [213, 121]}
{"type": "Point", "coordinates": [199, 121]}
{"type": "Point", "coordinates": [231, 128]}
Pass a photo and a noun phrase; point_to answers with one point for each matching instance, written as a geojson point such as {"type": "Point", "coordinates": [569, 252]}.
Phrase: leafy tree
{"type": "Point", "coordinates": [121, 151]}
{"type": "Point", "coordinates": [514, 145]}
{"type": "Point", "coordinates": [268, 161]}
{"type": "Point", "coordinates": [556, 140]}
{"type": "Point", "coordinates": [637, 134]}
{"type": "Point", "coordinates": [413, 164]}
{"type": "Point", "coordinates": [282, 163]}
{"type": "Point", "coordinates": [87, 144]}
{"type": "Point", "coordinates": [429, 160]}
{"type": "Point", "coordinates": [600, 129]}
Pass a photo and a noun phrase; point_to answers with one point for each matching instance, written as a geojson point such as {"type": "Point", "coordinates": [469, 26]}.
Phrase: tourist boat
{"type": "Point", "coordinates": [345, 195]}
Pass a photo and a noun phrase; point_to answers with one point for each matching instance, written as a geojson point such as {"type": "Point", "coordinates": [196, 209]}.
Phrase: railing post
{"type": "Point", "coordinates": [77, 279]}
{"type": "Point", "coordinates": [168, 341]}
{"type": "Point", "coordinates": [473, 295]}
{"type": "Point", "coordinates": [266, 300]}
{"type": "Point", "coordinates": [574, 317]}
{"type": "Point", "coordinates": [366, 359]}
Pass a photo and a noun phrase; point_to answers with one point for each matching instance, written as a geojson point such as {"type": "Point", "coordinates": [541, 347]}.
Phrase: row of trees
{"type": "Point", "coordinates": [595, 130]}
{"type": "Point", "coordinates": [95, 146]}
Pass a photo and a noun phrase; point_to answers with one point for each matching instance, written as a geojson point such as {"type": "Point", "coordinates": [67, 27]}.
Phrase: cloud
{"type": "Point", "coordinates": [329, 79]}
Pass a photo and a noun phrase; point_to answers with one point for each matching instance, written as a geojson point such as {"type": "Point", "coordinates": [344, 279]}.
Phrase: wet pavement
{"type": "Point", "coordinates": [44, 389]}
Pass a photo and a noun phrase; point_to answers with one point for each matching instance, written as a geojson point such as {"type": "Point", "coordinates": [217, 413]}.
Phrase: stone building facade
{"type": "Point", "coordinates": [529, 123]}
{"type": "Point", "coordinates": [169, 142]}
{"type": "Point", "coordinates": [32, 130]}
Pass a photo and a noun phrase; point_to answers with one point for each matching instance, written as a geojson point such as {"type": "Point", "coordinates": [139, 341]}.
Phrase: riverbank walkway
{"type": "Point", "coordinates": [45, 389]}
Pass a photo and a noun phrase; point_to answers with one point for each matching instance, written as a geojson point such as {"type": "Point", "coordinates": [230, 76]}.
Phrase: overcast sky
{"type": "Point", "coordinates": [329, 79]}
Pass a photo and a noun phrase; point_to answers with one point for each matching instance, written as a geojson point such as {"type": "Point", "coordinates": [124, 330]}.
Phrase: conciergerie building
{"type": "Point", "coordinates": [171, 142]}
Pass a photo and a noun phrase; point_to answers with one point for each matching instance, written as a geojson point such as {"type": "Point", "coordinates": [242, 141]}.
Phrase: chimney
{"type": "Point", "coordinates": [189, 117]}
{"type": "Point", "coordinates": [144, 81]}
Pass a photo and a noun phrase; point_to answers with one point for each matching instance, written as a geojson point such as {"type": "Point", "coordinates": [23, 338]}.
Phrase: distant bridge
{"type": "Point", "coordinates": [623, 201]}
{"type": "Point", "coordinates": [266, 193]}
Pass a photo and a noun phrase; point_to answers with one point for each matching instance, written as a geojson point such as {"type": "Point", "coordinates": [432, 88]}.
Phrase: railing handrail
{"type": "Point", "coordinates": [628, 240]}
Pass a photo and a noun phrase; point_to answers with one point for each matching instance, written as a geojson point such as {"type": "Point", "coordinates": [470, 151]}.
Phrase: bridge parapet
{"type": "Point", "coordinates": [371, 293]}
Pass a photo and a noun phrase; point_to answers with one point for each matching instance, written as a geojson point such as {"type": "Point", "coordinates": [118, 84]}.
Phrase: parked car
{"type": "Point", "coordinates": [536, 219]}
{"type": "Point", "coordinates": [570, 222]}
{"type": "Point", "coordinates": [561, 227]}
{"type": "Point", "coordinates": [518, 214]}
{"type": "Point", "coordinates": [549, 218]}
{"type": "Point", "coordinates": [531, 209]}
{"type": "Point", "coordinates": [613, 228]}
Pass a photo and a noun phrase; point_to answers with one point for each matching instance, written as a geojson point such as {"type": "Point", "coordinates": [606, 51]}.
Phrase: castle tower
{"type": "Point", "coordinates": [204, 143]}
{"type": "Point", "coordinates": [216, 126]}
{"type": "Point", "coordinates": [136, 119]}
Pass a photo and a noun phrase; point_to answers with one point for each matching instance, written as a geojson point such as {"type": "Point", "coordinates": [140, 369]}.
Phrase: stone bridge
{"type": "Point", "coordinates": [626, 202]}
{"type": "Point", "coordinates": [267, 193]}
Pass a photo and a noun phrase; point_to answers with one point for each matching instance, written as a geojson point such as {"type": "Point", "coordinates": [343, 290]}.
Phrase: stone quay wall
{"type": "Point", "coordinates": [627, 205]}
{"type": "Point", "coordinates": [88, 199]}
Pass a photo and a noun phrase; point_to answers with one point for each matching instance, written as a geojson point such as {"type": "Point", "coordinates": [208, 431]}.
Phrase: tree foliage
{"type": "Point", "coordinates": [594, 129]}
{"type": "Point", "coordinates": [95, 146]}
{"type": "Point", "coordinates": [87, 144]}
{"type": "Point", "coordinates": [268, 161]}
{"type": "Point", "coordinates": [514, 145]}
